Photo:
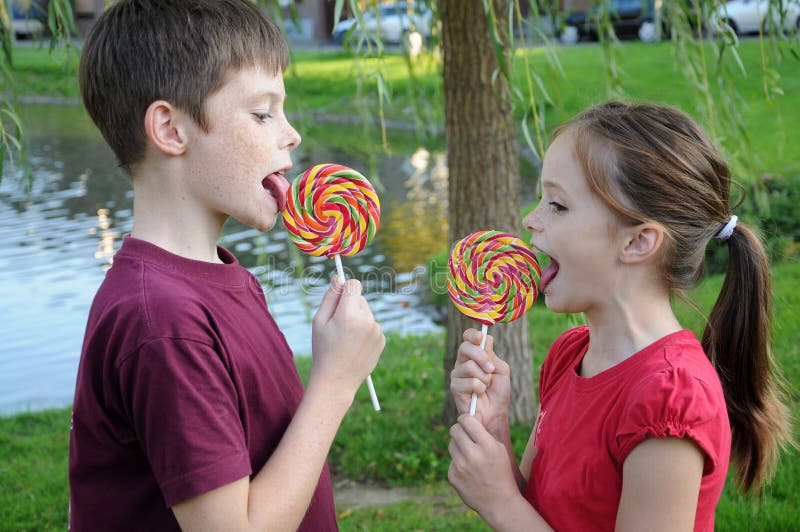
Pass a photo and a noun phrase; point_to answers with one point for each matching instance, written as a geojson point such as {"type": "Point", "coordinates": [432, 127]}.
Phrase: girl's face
{"type": "Point", "coordinates": [579, 233]}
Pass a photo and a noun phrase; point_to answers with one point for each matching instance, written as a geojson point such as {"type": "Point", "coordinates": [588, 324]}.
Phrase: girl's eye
{"type": "Point", "coordinates": [262, 117]}
{"type": "Point", "coordinates": [556, 207]}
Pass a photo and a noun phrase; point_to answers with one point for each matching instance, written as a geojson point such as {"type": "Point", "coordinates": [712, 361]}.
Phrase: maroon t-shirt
{"type": "Point", "coordinates": [185, 384]}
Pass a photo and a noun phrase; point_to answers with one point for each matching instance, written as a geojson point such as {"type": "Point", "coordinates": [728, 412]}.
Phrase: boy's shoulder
{"type": "Point", "coordinates": [157, 295]}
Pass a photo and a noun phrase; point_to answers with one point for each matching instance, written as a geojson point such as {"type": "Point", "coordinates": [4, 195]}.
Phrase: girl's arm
{"type": "Point", "coordinates": [486, 478]}
{"type": "Point", "coordinates": [660, 486]}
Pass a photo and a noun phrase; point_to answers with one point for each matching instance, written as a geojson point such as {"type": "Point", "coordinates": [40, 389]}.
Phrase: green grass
{"type": "Point", "coordinates": [406, 443]}
{"type": "Point", "coordinates": [33, 471]}
{"type": "Point", "coordinates": [329, 83]}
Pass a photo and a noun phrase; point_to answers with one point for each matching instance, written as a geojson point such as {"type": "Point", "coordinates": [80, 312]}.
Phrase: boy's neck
{"type": "Point", "coordinates": [167, 217]}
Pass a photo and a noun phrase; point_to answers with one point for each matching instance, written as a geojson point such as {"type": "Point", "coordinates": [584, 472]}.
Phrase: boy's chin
{"type": "Point", "coordinates": [264, 227]}
{"type": "Point", "coordinates": [262, 224]}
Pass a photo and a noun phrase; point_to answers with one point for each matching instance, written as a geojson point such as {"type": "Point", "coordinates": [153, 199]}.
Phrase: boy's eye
{"type": "Point", "coordinates": [556, 207]}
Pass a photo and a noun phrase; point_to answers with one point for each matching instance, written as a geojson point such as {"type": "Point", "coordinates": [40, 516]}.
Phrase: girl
{"type": "Point", "coordinates": [637, 417]}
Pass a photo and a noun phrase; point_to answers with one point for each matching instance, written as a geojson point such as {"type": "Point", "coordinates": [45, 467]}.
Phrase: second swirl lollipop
{"type": "Point", "coordinates": [492, 277]}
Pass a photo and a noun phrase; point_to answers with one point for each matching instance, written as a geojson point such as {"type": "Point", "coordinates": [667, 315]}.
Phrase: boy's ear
{"type": "Point", "coordinates": [162, 126]}
{"type": "Point", "coordinates": [641, 243]}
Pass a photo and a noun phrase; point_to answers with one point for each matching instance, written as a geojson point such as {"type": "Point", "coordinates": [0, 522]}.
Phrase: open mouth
{"type": "Point", "coordinates": [548, 273]}
{"type": "Point", "coordinates": [276, 186]}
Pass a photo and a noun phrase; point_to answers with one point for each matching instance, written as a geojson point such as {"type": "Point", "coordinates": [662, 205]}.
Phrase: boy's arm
{"type": "Point", "coordinates": [279, 495]}
{"type": "Point", "coordinates": [347, 344]}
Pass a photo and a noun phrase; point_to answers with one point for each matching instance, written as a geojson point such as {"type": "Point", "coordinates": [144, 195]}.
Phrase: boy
{"type": "Point", "coordinates": [188, 409]}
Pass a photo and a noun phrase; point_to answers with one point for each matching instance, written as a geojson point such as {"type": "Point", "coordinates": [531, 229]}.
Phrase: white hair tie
{"type": "Point", "coordinates": [726, 232]}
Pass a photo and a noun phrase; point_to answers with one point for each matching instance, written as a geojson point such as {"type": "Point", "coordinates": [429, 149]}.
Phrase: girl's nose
{"type": "Point", "coordinates": [532, 222]}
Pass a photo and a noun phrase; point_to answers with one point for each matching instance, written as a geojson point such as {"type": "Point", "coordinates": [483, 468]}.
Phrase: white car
{"type": "Point", "coordinates": [390, 21]}
{"type": "Point", "coordinates": [746, 16]}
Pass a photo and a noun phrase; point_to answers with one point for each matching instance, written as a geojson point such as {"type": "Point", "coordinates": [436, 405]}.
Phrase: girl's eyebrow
{"type": "Point", "coordinates": [546, 183]}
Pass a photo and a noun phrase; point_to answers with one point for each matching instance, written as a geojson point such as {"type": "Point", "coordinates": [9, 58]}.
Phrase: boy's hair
{"type": "Point", "coordinates": [653, 163]}
{"type": "Point", "coordinates": [181, 51]}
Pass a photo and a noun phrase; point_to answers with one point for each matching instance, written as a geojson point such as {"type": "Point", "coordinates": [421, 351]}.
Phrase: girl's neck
{"type": "Point", "coordinates": [621, 329]}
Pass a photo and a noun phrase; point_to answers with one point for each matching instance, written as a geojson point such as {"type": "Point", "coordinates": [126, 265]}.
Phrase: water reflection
{"type": "Point", "coordinates": [416, 225]}
{"type": "Point", "coordinates": [58, 238]}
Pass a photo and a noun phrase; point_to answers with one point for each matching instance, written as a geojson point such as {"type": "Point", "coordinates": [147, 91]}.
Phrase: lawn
{"type": "Point", "coordinates": [332, 83]}
{"type": "Point", "coordinates": [406, 443]}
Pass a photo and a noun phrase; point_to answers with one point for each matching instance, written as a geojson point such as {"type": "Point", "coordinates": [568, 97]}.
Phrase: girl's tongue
{"type": "Point", "coordinates": [276, 185]}
{"type": "Point", "coordinates": [549, 272]}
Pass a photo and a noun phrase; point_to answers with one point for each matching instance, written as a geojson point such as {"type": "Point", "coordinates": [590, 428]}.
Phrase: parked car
{"type": "Point", "coordinates": [390, 21]}
{"type": "Point", "coordinates": [27, 17]}
{"type": "Point", "coordinates": [628, 17]}
{"type": "Point", "coordinates": [747, 16]}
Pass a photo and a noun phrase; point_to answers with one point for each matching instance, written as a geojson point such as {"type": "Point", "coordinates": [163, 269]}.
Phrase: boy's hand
{"type": "Point", "coordinates": [346, 340]}
{"type": "Point", "coordinates": [481, 371]}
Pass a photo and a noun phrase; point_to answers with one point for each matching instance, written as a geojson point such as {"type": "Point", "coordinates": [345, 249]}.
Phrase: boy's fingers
{"type": "Point", "coordinates": [351, 296]}
{"type": "Point", "coordinates": [330, 301]}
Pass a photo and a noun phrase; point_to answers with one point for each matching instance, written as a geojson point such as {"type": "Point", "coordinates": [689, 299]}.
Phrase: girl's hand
{"type": "Point", "coordinates": [481, 471]}
{"type": "Point", "coordinates": [484, 373]}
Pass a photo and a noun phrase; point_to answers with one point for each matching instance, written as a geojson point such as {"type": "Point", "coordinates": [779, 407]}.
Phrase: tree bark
{"type": "Point", "coordinates": [483, 162]}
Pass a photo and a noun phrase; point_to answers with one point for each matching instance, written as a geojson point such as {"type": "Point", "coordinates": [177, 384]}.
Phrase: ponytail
{"type": "Point", "coordinates": [737, 340]}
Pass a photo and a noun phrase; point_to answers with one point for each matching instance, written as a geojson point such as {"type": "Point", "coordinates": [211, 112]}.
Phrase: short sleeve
{"type": "Point", "coordinates": [675, 403]}
{"type": "Point", "coordinates": [181, 402]}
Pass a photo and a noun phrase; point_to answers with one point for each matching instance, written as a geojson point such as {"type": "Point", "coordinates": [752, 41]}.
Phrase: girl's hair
{"type": "Point", "coordinates": [140, 51]}
{"type": "Point", "coordinates": [653, 163]}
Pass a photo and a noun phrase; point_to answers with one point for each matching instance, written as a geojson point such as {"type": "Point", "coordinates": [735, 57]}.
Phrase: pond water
{"type": "Point", "coordinates": [58, 237]}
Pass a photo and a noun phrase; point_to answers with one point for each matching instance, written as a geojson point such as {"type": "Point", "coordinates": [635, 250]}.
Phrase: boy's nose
{"type": "Point", "coordinates": [292, 137]}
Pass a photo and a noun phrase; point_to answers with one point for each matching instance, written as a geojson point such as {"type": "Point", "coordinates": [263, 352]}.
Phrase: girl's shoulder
{"type": "Point", "coordinates": [563, 355]}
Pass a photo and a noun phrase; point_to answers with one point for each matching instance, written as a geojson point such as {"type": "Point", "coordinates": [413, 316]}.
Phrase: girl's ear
{"type": "Point", "coordinates": [162, 126]}
{"type": "Point", "coordinates": [641, 242]}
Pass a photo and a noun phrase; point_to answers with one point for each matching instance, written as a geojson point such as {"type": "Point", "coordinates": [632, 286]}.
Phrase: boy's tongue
{"type": "Point", "coordinates": [276, 185]}
{"type": "Point", "coordinates": [549, 272]}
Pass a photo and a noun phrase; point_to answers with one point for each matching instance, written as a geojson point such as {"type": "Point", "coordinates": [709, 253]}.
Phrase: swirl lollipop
{"type": "Point", "coordinates": [332, 210]}
{"type": "Point", "coordinates": [492, 277]}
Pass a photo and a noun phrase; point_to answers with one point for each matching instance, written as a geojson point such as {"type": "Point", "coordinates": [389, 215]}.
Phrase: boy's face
{"type": "Point", "coordinates": [239, 164]}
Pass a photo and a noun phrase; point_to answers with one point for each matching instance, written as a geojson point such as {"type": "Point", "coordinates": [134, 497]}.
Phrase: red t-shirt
{"type": "Point", "coordinates": [185, 384]}
{"type": "Point", "coordinates": [587, 427]}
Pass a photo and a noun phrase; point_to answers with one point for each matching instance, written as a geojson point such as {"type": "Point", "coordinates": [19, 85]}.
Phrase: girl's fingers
{"type": "Point", "coordinates": [466, 386]}
{"type": "Point", "coordinates": [469, 351]}
{"type": "Point", "coordinates": [474, 430]}
{"type": "Point", "coordinates": [470, 369]}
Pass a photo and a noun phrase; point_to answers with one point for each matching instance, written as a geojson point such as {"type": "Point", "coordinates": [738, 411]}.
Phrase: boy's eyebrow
{"type": "Point", "coordinates": [267, 95]}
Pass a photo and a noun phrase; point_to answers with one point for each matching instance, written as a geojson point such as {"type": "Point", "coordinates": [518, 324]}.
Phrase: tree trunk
{"type": "Point", "coordinates": [483, 162]}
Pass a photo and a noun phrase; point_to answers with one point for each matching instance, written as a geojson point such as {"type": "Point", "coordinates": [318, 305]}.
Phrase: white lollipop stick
{"type": "Point", "coordinates": [372, 395]}
{"type": "Point", "coordinates": [473, 402]}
